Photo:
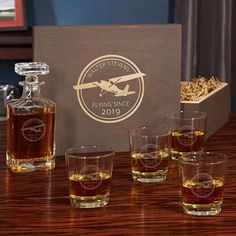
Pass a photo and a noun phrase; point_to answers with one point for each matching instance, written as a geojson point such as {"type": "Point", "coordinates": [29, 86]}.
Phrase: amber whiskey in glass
{"type": "Point", "coordinates": [31, 124]}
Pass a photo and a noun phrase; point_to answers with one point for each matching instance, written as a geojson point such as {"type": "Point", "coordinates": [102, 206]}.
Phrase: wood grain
{"type": "Point", "coordinates": [37, 203]}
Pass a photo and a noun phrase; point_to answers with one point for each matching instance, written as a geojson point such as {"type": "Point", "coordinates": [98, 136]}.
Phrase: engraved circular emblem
{"type": "Point", "coordinates": [187, 136]}
{"type": "Point", "coordinates": [203, 185]}
{"type": "Point", "coordinates": [151, 155]}
{"type": "Point", "coordinates": [33, 130]}
{"type": "Point", "coordinates": [92, 178]}
{"type": "Point", "coordinates": [110, 88]}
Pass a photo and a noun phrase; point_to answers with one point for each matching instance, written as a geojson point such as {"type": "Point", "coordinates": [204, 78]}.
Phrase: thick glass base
{"type": "Point", "coordinates": [30, 164]}
{"type": "Point", "coordinates": [149, 177]}
{"type": "Point", "coordinates": [89, 201]}
{"type": "Point", "coordinates": [202, 209]}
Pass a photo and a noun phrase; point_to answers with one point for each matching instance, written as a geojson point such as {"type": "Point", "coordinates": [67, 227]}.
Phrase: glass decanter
{"type": "Point", "coordinates": [31, 124]}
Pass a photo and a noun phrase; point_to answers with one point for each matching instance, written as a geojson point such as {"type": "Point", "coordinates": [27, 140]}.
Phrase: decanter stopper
{"type": "Point", "coordinates": [32, 68]}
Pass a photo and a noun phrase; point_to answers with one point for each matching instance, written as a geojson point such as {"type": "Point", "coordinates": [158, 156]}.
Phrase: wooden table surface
{"type": "Point", "coordinates": [37, 203]}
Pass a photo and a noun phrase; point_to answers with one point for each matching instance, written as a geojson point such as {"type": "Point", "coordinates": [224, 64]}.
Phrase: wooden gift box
{"type": "Point", "coordinates": [217, 106]}
{"type": "Point", "coordinates": [106, 79]}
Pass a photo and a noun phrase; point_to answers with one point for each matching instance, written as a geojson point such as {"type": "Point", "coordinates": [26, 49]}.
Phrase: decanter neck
{"type": "Point", "coordinates": [31, 79]}
{"type": "Point", "coordinates": [31, 86]}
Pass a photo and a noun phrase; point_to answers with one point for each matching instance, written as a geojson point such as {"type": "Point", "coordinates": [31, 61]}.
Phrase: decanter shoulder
{"type": "Point", "coordinates": [24, 105]}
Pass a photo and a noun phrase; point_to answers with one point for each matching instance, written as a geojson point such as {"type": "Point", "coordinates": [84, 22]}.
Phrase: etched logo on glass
{"type": "Point", "coordinates": [91, 177]}
{"type": "Point", "coordinates": [187, 136]}
{"type": "Point", "coordinates": [203, 185]}
{"type": "Point", "coordinates": [33, 130]}
{"type": "Point", "coordinates": [151, 155]}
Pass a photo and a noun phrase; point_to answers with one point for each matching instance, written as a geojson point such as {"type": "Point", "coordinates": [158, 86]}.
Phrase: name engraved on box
{"type": "Point", "coordinates": [110, 88]}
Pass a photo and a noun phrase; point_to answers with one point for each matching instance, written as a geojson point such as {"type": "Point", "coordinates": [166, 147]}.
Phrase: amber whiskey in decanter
{"type": "Point", "coordinates": [31, 124]}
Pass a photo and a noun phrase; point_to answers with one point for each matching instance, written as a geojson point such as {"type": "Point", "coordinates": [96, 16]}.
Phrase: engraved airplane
{"type": "Point", "coordinates": [110, 85]}
{"type": "Point", "coordinates": [36, 128]}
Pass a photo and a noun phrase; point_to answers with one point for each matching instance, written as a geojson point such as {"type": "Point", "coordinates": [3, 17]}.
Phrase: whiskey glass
{"type": "Point", "coordinates": [31, 124]}
{"type": "Point", "coordinates": [150, 150]}
{"type": "Point", "coordinates": [187, 132]}
{"type": "Point", "coordinates": [203, 181]}
{"type": "Point", "coordinates": [89, 174]}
